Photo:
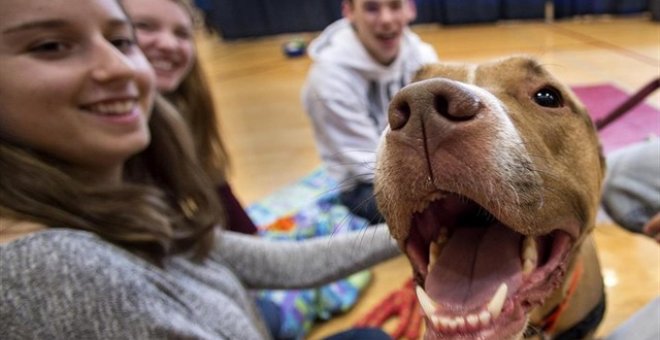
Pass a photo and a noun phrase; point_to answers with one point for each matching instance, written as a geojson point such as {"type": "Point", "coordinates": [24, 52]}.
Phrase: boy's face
{"type": "Point", "coordinates": [379, 25]}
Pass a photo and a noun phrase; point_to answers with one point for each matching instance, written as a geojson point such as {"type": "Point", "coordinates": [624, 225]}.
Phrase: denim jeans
{"type": "Point", "coordinates": [360, 201]}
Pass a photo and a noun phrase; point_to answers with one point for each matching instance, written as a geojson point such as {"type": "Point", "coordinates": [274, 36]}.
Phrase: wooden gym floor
{"type": "Point", "coordinates": [257, 91]}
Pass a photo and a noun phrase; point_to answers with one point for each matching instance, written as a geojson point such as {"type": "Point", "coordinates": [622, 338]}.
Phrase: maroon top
{"type": "Point", "coordinates": [236, 217]}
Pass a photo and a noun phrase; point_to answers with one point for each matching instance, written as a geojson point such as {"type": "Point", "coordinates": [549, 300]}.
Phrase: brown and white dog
{"type": "Point", "coordinates": [489, 177]}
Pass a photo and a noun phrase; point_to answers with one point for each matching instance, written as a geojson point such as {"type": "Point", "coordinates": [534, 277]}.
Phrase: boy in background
{"type": "Point", "coordinates": [359, 63]}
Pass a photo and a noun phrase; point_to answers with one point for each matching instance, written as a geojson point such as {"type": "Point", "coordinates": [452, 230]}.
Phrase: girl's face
{"type": "Point", "coordinates": [165, 34]}
{"type": "Point", "coordinates": [74, 84]}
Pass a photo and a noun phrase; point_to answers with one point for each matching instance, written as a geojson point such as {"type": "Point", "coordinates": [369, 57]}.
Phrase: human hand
{"type": "Point", "coordinates": [652, 227]}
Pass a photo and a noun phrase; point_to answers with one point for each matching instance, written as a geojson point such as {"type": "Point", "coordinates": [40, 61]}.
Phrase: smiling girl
{"type": "Point", "coordinates": [165, 33]}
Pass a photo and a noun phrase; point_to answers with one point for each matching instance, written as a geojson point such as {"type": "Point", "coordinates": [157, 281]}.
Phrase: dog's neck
{"type": "Point", "coordinates": [548, 323]}
{"type": "Point", "coordinates": [576, 299]}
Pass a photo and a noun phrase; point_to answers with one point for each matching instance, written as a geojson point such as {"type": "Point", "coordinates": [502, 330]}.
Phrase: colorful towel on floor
{"type": "Point", "coordinates": [306, 209]}
{"type": "Point", "coordinates": [315, 187]}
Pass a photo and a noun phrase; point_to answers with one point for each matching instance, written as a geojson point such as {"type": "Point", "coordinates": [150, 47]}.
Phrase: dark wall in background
{"type": "Point", "coordinates": [252, 18]}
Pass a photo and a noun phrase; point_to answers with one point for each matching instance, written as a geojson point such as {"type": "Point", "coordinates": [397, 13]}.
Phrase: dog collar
{"type": "Point", "coordinates": [585, 327]}
{"type": "Point", "coordinates": [577, 331]}
{"type": "Point", "coordinates": [549, 322]}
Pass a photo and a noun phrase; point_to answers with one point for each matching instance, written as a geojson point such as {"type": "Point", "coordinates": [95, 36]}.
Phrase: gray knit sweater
{"type": "Point", "coordinates": [67, 284]}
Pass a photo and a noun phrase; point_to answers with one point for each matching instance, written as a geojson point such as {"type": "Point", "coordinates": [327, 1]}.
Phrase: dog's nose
{"type": "Point", "coordinates": [443, 97]}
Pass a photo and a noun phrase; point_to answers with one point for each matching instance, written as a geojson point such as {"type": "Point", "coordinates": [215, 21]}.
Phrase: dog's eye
{"type": "Point", "coordinates": [548, 97]}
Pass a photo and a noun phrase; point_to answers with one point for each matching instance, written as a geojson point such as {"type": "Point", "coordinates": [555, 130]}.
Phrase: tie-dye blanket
{"type": "Point", "coordinates": [305, 209]}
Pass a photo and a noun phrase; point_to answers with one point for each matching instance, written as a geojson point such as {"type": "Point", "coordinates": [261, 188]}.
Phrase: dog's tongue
{"type": "Point", "coordinates": [473, 264]}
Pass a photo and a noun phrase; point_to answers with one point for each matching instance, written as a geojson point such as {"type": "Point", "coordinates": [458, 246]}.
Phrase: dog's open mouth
{"type": "Point", "coordinates": [476, 276]}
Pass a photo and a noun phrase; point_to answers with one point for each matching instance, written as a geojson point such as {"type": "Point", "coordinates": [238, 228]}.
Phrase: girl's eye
{"type": "Point", "coordinates": [123, 44]}
{"type": "Point", "coordinates": [183, 34]}
{"type": "Point", "coordinates": [144, 26]}
{"type": "Point", "coordinates": [49, 47]}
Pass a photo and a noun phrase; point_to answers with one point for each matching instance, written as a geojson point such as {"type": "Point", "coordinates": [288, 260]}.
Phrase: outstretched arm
{"type": "Point", "coordinates": [262, 263]}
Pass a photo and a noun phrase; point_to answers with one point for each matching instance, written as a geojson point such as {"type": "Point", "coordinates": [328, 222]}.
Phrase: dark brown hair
{"type": "Point", "coordinates": [164, 206]}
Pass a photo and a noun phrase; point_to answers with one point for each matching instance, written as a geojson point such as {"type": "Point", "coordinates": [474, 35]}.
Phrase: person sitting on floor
{"type": "Point", "coordinates": [359, 63]}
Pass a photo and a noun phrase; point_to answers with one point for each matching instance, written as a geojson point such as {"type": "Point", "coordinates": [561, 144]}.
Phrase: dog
{"type": "Point", "coordinates": [489, 177]}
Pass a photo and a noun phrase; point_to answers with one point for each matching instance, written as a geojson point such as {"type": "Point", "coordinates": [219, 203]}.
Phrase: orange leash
{"type": "Point", "coordinates": [550, 321]}
{"type": "Point", "coordinates": [401, 304]}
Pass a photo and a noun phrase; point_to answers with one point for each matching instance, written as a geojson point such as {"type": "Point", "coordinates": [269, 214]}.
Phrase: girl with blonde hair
{"type": "Point", "coordinates": [165, 33]}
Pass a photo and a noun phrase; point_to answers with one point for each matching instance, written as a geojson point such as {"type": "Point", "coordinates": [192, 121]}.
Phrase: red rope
{"type": "Point", "coordinates": [402, 305]}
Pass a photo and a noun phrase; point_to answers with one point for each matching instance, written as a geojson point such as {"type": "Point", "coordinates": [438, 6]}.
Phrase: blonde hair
{"type": "Point", "coordinates": [194, 101]}
{"type": "Point", "coordinates": [164, 205]}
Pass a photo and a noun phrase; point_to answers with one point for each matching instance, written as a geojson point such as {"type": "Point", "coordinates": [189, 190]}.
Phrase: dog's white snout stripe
{"type": "Point", "coordinates": [508, 148]}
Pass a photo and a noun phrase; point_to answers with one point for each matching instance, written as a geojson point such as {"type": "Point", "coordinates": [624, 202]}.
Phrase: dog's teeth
{"type": "Point", "coordinates": [421, 206]}
{"type": "Point", "coordinates": [529, 255]}
{"type": "Point", "coordinates": [484, 317]}
{"type": "Point", "coordinates": [425, 302]}
{"type": "Point", "coordinates": [472, 320]}
{"type": "Point", "coordinates": [434, 253]}
{"type": "Point", "coordinates": [435, 248]}
{"type": "Point", "coordinates": [443, 322]}
{"type": "Point", "coordinates": [436, 321]}
{"type": "Point", "coordinates": [443, 235]}
{"type": "Point", "coordinates": [452, 324]}
{"type": "Point", "coordinates": [460, 322]}
{"type": "Point", "coordinates": [496, 303]}
{"type": "Point", "coordinates": [435, 196]}
{"type": "Point", "coordinates": [528, 266]}
{"type": "Point", "coordinates": [529, 248]}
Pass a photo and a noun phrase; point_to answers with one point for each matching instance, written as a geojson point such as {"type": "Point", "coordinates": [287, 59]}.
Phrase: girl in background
{"type": "Point", "coordinates": [165, 33]}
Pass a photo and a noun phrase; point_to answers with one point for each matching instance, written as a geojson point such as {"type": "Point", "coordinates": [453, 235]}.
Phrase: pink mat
{"type": "Point", "coordinates": [635, 125]}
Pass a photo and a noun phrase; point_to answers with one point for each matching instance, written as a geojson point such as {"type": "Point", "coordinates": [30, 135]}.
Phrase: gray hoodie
{"type": "Point", "coordinates": [347, 93]}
